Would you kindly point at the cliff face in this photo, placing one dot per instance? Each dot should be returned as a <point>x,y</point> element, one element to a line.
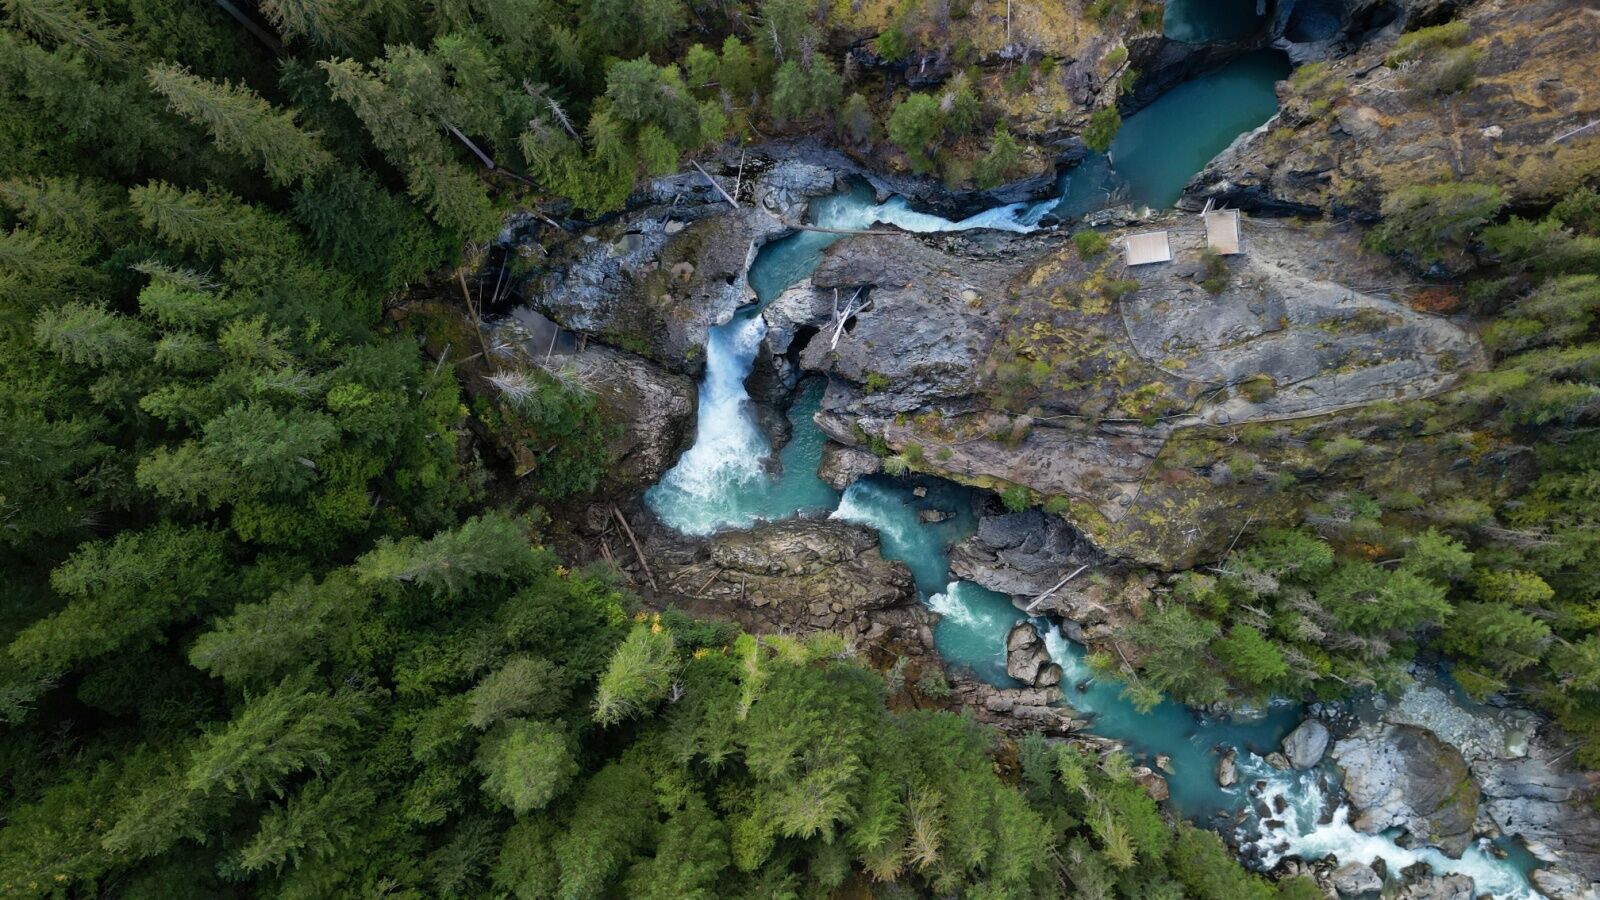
<point>1355,130</point>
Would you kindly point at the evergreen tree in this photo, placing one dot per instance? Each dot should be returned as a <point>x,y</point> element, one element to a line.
<point>1102,129</point>
<point>1001,159</point>
<point>525,764</point>
<point>243,123</point>
<point>638,676</point>
<point>913,125</point>
<point>326,24</point>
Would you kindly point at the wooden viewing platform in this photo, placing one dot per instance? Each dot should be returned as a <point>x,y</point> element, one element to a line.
<point>1222,230</point>
<point>1150,247</point>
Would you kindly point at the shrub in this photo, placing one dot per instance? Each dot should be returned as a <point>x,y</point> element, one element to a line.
<point>1102,129</point>
<point>1342,447</point>
<point>855,121</point>
<point>1425,41</point>
<point>1126,81</point>
<point>1016,497</point>
<point>1217,275</point>
<point>932,683</point>
<point>1258,388</point>
<point>1452,71</point>
<point>1426,220</point>
<point>1090,243</point>
<point>1580,211</point>
<point>892,44</point>
<point>913,125</point>
<point>876,381</point>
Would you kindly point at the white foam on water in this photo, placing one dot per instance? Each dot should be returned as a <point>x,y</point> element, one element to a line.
<point>1073,668</point>
<point>952,606</point>
<point>863,505</point>
<point>1018,217</point>
<point>1299,832</point>
<point>730,449</point>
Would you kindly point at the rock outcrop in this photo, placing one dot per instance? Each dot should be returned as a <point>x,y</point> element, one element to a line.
<point>1010,360</point>
<point>1305,746</point>
<point>1027,660</point>
<point>842,465</point>
<point>1018,710</point>
<point>1022,554</point>
<point>650,409</point>
<point>1342,141</point>
<point>1438,887</point>
<point>1548,806</point>
<point>1520,768</point>
<point>1559,884</point>
<point>1228,768</point>
<point>794,577</point>
<point>1401,776</point>
<point>1026,554</point>
<point>1353,879</point>
<point>655,281</point>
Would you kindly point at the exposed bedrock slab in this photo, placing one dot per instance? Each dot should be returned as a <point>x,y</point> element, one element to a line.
<point>1306,325</point>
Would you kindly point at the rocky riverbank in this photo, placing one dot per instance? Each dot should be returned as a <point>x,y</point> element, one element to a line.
<point>1350,133</point>
<point>1446,773</point>
<point>1147,416</point>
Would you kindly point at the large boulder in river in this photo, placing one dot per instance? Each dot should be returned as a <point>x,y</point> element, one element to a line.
<point>1549,807</point>
<point>1353,879</point>
<point>1027,660</point>
<point>1021,554</point>
<point>1438,887</point>
<point>1228,768</point>
<point>1401,776</point>
<point>1561,884</point>
<point>1305,745</point>
<point>1524,769</point>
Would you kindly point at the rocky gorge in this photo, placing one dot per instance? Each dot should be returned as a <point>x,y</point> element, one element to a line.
<point>1144,416</point>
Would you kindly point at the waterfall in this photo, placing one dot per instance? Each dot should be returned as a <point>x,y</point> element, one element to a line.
<point>718,481</point>
<point>730,449</point>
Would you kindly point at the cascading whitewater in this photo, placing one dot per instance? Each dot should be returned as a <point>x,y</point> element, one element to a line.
<point>1300,830</point>
<point>729,452</point>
